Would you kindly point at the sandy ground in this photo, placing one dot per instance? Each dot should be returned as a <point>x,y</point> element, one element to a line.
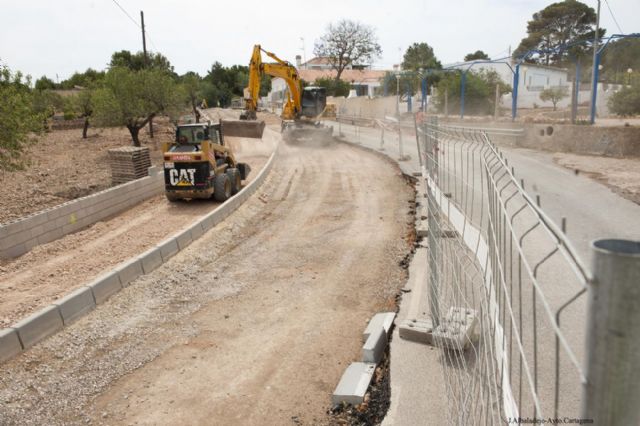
<point>61,166</point>
<point>622,175</point>
<point>49,271</point>
<point>252,324</point>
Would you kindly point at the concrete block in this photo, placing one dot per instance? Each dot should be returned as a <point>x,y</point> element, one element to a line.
<point>13,252</point>
<point>196,231</point>
<point>150,259</point>
<point>380,320</point>
<point>132,269</point>
<point>373,348</point>
<point>415,330</point>
<point>456,330</point>
<point>10,345</point>
<point>15,239</point>
<point>168,248</point>
<point>104,286</point>
<point>422,231</point>
<point>52,235</point>
<point>39,326</point>
<point>353,384</point>
<point>184,238</point>
<point>206,223</point>
<point>75,304</point>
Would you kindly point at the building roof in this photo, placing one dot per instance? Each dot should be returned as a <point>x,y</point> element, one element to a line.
<point>351,76</point>
<point>321,60</point>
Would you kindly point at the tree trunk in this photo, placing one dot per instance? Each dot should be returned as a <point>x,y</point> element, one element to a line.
<point>134,130</point>
<point>196,112</point>
<point>150,128</point>
<point>85,128</point>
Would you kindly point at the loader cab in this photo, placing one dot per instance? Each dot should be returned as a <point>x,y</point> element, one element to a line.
<point>314,100</point>
<point>190,137</point>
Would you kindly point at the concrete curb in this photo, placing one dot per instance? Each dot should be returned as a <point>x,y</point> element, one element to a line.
<point>104,286</point>
<point>10,345</point>
<point>39,325</point>
<point>78,303</point>
<point>356,379</point>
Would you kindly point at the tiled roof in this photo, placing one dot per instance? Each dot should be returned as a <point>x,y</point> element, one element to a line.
<point>351,76</point>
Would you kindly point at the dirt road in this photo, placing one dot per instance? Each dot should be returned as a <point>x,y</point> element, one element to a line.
<point>252,324</point>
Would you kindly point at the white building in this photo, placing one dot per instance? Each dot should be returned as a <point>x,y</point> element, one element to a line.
<point>533,80</point>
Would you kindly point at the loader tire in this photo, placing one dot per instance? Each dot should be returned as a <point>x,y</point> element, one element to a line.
<point>222,187</point>
<point>172,198</point>
<point>235,179</point>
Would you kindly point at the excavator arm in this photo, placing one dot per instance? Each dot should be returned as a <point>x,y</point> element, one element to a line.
<point>279,68</point>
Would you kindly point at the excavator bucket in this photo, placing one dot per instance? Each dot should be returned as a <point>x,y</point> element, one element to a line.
<point>243,128</point>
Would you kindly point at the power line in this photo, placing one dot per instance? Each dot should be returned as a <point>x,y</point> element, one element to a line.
<point>613,16</point>
<point>126,13</point>
<point>135,23</point>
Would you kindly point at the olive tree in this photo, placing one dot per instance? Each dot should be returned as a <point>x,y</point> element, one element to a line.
<point>18,120</point>
<point>132,98</point>
<point>554,94</point>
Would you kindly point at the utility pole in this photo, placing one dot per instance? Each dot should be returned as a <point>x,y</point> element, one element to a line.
<point>594,71</point>
<point>146,62</point>
<point>144,39</point>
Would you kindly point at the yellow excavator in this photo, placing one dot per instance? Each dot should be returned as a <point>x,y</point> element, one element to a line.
<point>301,112</point>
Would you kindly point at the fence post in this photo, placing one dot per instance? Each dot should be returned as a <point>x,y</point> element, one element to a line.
<point>612,391</point>
<point>433,220</point>
<point>400,147</point>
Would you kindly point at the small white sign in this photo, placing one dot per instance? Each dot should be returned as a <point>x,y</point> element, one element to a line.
<point>168,165</point>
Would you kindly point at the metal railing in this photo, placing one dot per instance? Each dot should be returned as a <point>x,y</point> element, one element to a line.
<point>506,293</point>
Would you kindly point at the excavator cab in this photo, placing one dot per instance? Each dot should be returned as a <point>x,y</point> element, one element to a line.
<point>314,101</point>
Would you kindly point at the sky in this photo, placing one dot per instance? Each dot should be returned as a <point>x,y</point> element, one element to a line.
<point>57,38</point>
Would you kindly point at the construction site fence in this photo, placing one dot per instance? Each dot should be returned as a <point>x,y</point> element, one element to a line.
<point>527,331</point>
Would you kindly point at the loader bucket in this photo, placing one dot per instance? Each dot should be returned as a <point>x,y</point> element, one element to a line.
<point>243,128</point>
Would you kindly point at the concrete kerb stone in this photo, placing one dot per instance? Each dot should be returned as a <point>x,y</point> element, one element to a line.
<point>196,231</point>
<point>373,348</point>
<point>131,269</point>
<point>168,248</point>
<point>354,384</point>
<point>76,304</point>
<point>150,260</point>
<point>10,345</point>
<point>105,286</point>
<point>183,238</point>
<point>39,325</point>
<point>380,320</point>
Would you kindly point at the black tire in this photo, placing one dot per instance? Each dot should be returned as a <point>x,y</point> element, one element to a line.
<point>222,187</point>
<point>235,179</point>
<point>172,198</point>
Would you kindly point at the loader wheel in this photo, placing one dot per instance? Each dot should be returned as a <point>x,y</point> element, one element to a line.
<point>236,180</point>
<point>172,198</point>
<point>222,188</point>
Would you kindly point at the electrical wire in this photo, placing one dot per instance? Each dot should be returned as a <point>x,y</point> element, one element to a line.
<point>136,24</point>
<point>126,13</point>
<point>613,16</point>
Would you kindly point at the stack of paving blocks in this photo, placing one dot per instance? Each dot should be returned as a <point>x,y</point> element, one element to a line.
<point>357,377</point>
<point>128,163</point>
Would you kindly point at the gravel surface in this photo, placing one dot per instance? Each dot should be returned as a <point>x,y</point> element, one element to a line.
<point>52,270</point>
<point>254,323</point>
<point>622,175</point>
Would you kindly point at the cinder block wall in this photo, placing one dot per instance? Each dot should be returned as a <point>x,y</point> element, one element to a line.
<point>20,236</point>
<point>618,142</point>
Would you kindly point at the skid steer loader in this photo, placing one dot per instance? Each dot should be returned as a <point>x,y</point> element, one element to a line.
<point>198,164</point>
